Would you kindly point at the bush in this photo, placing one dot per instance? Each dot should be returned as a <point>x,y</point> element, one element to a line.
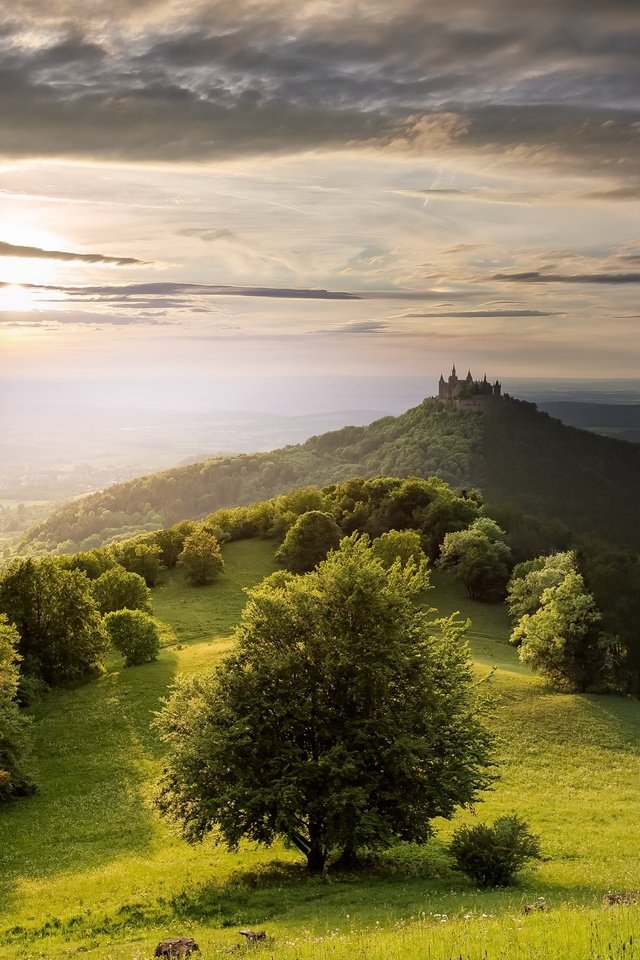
<point>135,635</point>
<point>492,855</point>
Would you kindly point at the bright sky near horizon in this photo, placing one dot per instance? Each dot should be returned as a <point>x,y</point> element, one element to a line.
<point>269,187</point>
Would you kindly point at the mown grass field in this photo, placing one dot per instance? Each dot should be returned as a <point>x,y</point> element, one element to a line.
<point>89,870</point>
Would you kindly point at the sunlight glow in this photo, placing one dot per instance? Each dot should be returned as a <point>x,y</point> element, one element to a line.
<point>16,299</point>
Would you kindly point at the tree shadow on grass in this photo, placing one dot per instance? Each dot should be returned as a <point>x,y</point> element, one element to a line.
<point>95,751</point>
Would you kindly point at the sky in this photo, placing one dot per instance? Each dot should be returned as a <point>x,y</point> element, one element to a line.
<point>277,188</point>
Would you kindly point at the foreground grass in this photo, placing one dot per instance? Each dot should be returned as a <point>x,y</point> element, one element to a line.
<point>89,870</point>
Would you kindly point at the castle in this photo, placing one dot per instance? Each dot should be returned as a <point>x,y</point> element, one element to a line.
<point>467,389</point>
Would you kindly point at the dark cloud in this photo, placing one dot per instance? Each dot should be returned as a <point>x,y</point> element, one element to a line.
<point>532,276</point>
<point>557,82</point>
<point>164,289</point>
<point>14,250</point>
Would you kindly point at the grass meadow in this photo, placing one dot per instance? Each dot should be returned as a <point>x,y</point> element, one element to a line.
<point>89,870</point>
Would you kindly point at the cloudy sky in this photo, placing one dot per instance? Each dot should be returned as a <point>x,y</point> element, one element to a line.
<point>354,187</point>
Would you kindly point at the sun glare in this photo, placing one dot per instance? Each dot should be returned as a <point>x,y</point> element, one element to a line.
<point>16,299</point>
<point>24,231</point>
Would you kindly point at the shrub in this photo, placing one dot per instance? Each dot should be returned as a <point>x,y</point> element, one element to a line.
<point>135,635</point>
<point>492,855</point>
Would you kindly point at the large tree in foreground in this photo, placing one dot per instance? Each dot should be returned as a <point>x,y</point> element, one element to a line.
<point>344,721</point>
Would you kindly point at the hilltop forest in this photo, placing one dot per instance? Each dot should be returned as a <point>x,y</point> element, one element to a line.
<point>524,462</point>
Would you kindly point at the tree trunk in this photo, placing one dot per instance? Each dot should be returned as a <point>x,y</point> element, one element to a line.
<point>317,853</point>
<point>348,859</point>
<point>316,858</point>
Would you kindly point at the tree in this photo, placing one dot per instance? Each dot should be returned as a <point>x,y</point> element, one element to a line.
<point>562,639</point>
<point>170,540</point>
<point>402,545</point>
<point>201,558</point>
<point>344,721</point>
<point>92,562</point>
<point>136,556</point>
<point>135,635</point>
<point>530,579</point>
<point>117,589</point>
<point>14,738</point>
<point>308,541</point>
<point>613,577</point>
<point>52,608</point>
<point>479,558</point>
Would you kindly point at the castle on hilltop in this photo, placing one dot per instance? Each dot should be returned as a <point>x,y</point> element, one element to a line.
<point>468,389</point>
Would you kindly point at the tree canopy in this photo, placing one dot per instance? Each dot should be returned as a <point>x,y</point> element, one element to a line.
<point>479,557</point>
<point>201,558</point>
<point>52,608</point>
<point>14,739</point>
<point>344,721</point>
<point>308,541</point>
<point>117,589</point>
<point>563,639</point>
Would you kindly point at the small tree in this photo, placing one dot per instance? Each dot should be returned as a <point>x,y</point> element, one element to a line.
<point>135,635</point>
<point>491,856</point>
<point>14,738</point>
<point>479,558</point>
<point>344,721</point>
<point>562,639</point>
<point>309,541</point>
<point>116,589</point>
<point>201,558</point>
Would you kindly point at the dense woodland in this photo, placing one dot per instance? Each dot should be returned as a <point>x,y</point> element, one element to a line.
<point>525,463</point>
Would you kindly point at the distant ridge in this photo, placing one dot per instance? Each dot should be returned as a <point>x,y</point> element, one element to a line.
<point>523,461</point>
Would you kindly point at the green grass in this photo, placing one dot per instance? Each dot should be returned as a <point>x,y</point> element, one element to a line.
<point>89,870</point>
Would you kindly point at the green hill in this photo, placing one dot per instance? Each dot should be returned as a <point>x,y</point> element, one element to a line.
<point>523,461</point>
<point>89,869</point>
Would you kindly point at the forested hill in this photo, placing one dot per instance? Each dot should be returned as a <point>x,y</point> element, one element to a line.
<point>522,460</point>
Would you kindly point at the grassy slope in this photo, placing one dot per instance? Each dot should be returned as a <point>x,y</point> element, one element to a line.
<point>89,869</point>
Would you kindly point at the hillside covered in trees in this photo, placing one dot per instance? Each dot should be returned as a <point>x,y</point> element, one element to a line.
<point>523,461</point>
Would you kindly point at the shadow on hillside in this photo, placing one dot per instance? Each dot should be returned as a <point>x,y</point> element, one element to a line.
<point>95,755</point>
<point>622,716</point>
<point>391,888</point>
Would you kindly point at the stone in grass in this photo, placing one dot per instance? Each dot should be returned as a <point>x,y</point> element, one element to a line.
<point>621,898</point>
<point>539,906</point>
<point>181,947</point>
<point>253,936</point>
